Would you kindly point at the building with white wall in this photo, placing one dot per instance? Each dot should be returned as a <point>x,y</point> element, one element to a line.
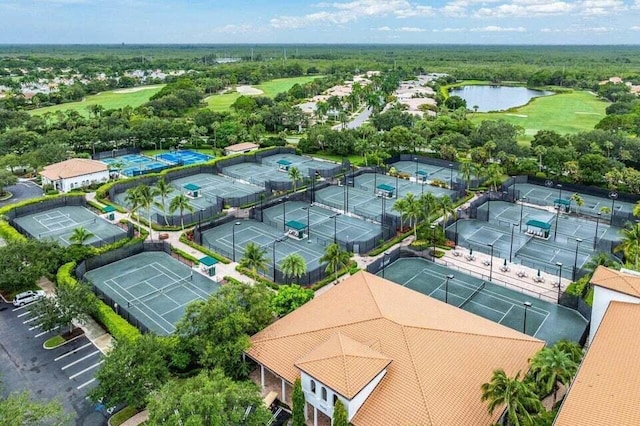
<point>391,355</point>
<point>241,148</point>
<point>611,285</point>
<point>74,173</point>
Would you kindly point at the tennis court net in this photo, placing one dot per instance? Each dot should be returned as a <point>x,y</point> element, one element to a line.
<point>474,294</point>
<point>158,292</point>
<point>58,232</point>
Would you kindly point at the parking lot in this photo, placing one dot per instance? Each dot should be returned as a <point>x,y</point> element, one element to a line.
<point>66,373</point>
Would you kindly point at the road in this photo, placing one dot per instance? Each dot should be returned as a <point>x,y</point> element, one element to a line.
<point>23,190</point>
<point>356,122</point>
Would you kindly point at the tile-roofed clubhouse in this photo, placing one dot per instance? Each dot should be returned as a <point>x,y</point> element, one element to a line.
<point>425,360</point>
<point>606,389</point>
<point>73,167</point>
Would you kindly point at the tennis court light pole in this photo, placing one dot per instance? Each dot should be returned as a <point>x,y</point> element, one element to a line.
<point>559,265</point>
<point>284,213</point>
<point>335,227</point>
<point>384,257</point>
<point>446,288</point>
<point>613,195</point>
<point>277,240</point>
<point>595,237</point>
<point>233,238</point>
<point>513,227</point>
<point>575,261</point>
<point>451,176</point>
<point>416,160</point>
<point>527,305</point>
<point>433,237</point>
<point>491,263</point>
<point>555,231</point>
<point>308,208</point>
<point>522,199</point>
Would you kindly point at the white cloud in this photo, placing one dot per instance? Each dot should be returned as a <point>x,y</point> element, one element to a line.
<point>411,30</point>
<point>383,29</point>
<point>236,29</point>
<point>578,29</point>
<point>496,29</point>
<point>451,30</point>
<point>635,28</point>
<point>535,8</point>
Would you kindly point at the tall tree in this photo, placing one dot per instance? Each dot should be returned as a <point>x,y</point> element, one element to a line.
<point>293,266</point>
<point>134,201</point>
<point>466,170</point>
<point>298,400</point>
<point>254,258</point>
<point>6,179</point>
<point>518,398</point>
<point>401,207</point>
<point>147,199</point>
<point>70,303</point>
<point>180,203</point>
<point>19,409</point>
<point>163,189</point>
<point>494,175</point>
<point>414,212</point>
<point>551,367</point>
<point>295,175</point>
<point>340,417</point>
<point>446,208</point>
<point>210,398</point>
<point>630,244</point>
<point>289,298</point>
<point>336,258</point>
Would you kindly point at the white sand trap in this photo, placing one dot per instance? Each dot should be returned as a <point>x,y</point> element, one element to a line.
<point>136,89</point>
<point>588,113</point>
<point>248,90</point>
<point>518,115</point>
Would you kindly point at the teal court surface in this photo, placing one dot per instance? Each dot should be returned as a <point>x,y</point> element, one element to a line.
<point>546,321</point>
<point>370,182</point>
<point>135,164</point>
<point>152,289</point>
<point>324,226</point>
<point>184,157</point>
<point>545,196</point>
<point>210,187</point>
<point>431,172</point>
<point>58,224</point>
<point>229,238</point>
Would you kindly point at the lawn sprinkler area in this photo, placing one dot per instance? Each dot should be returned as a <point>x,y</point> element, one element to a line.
<point>135,165</point>
<point>544,320</point>
<point>59,223</point>
<point>152,289</point>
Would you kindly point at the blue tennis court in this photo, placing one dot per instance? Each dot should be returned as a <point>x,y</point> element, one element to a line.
<point>135,164</point>
<point>184,157</point>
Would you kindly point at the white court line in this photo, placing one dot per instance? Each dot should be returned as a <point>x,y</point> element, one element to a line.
<point>88,382</point>
<point>542,323</point>
<point>80,360</point>
<point>505,314</point>
<point>86,369</point>
<point>72,352</point>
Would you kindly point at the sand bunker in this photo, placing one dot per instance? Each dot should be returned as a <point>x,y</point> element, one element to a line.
<point>588,113</point>
<point>135,89</point>
<point>248,90</point>
<point>518,115</point>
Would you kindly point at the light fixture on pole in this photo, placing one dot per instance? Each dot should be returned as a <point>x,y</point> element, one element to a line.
<point>284,213</point>
<point>433,236</point>
<point>335,226</point>
<point>613,195</point>
<point>575,261</point>
<point>595,237</point>
<point>384,264</point>
<point>450,176</point>
<point>491,263</point>
<point>527,305</point>
<point>233,239</point>
<point>277,240</point>
<point>522,200</point>
<point>446,288</point>
<point>513,227</point>
<point>308,208</point>
<point>555,231</point>
<point>559,265</point>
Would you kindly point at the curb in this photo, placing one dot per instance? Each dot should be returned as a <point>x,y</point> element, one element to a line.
<point>63,343</point>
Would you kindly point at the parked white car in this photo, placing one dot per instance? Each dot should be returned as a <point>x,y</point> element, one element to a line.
<point>27,297</point>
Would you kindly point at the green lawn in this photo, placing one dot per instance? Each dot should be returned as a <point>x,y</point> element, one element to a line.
<point>270,89</point>
<point>570,112</point>
<point>109,100</point>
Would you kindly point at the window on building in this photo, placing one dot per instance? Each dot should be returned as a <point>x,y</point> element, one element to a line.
<point>313,386</point>
<point>324,393</point>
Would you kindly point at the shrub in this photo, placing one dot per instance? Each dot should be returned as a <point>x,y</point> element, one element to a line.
<point>8,233</point>
<point>218,257</point>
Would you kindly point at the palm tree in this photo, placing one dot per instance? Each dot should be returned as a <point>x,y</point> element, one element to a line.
<point>428,203</point>
<point>603,259</point>
<point>335,258</point>
<point>466,170</point>
<point>494,175</point>
<point>163,189</point>
<point>552,366</point>
<point>636,209</point>
<point>401,207</point>
<point>446,207</point>
<point>147,195</point>
<point>133,200</point>
<point>254,258</point>
<point>293,266</point>
<point>295,175</point>
<point>180,203</point>
<point>630,244</point>
<point>578,200</point>
<point>413,212</point>
<point>80,235</point>
<point>518,397</point>
<point>540,151</point>
<point>573,349</point>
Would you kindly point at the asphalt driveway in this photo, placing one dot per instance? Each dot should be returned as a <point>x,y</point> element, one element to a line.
<point>66,373</point>
<point>23,190</point>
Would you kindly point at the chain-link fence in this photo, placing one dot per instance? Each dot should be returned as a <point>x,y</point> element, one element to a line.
<point>115,153</point>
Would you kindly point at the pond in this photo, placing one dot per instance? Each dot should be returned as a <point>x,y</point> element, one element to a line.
<point>496,98</point>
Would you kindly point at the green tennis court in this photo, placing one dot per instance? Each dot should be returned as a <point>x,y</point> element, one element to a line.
<point>432,172</point>
<point>547,321</point>
<point>153,287</point>
<point>58,225</point>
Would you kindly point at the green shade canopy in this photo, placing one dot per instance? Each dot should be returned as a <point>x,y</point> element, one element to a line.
<point>539,224</point>
<point>108,209</point>
<point>422,173</point>
<point>191,187</point>
<point>208,261</point>
<point>562,201</point>
<point>298,226</point>
<point>385,187</point>
<point>284,162</point>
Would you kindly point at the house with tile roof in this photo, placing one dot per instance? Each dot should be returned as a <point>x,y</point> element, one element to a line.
<point>391,355</point>
<point>611,285</point>
<point>241,148</point>
<point>606,388</point>
<point>74,173</point>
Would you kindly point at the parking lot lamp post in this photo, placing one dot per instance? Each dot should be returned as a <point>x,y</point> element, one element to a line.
<point>233,239</point>
<point>559,265</point>
<point>446,288</point>
<point>491,263</point>
<point>522,199</point>
<point>595,237</point>
<point>513,227</point>
<point>575,261</point>
<point>527,305</point>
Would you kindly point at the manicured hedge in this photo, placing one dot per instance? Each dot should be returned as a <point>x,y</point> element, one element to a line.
<point>117,326</point>
<point>9,207</point>
<point>220,258</point>
<point>185,255</point>
<point>8,232</point>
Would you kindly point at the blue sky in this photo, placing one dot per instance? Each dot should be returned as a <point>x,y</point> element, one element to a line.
<point>287,21</point>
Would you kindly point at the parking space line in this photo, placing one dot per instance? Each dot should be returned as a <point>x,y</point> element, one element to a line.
<point>72,352</point>
<point>80,360</point>
<point>23,314</point>
<point>32,319</point>
<point>34,327</point>
<point>88,382</point>
<point>45,332</point>
<point>86,369</point>
<point>21,307</point>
